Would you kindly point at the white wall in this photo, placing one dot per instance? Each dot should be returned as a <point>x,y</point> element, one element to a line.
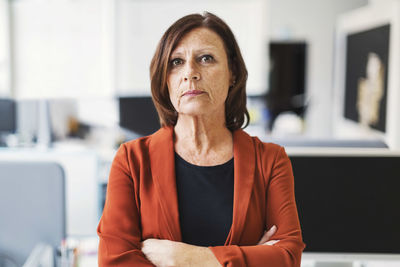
<point>313,21</point>
<point>140,25</point>
<point>4,49</point>
<point>59,49</point>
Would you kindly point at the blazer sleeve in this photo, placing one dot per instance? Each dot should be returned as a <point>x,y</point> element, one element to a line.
<point>119,227</point>
<point>280,211</point>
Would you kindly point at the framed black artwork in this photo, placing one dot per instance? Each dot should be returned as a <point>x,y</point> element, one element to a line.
<point>367,57</point>
<point>366,86</point>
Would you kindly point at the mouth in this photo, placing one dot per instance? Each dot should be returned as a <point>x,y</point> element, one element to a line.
<point>193,93</point>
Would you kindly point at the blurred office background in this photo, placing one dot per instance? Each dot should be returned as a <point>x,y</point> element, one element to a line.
<point>74,84</point>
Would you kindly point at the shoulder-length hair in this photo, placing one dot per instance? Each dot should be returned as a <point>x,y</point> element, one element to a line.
<point>236,114</point>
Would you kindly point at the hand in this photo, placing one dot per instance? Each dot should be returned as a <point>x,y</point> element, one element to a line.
<point>160,252</point>
<point>265,239</point>
<point>166,253</point>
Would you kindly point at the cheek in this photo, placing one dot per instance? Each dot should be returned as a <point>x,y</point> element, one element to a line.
<point>220,82</point>
<point>173,90</point>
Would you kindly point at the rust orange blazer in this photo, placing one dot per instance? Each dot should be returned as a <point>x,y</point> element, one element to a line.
<point>142,203</point>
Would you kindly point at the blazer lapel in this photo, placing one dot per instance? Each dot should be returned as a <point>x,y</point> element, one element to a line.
<point>244,166</point>
<point>162,162</point>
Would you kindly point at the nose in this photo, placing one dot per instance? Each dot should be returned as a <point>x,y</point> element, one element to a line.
<point>191,73</point>
<point>194,77</point>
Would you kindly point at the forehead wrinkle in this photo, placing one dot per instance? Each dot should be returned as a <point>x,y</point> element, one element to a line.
<point>203,37</point>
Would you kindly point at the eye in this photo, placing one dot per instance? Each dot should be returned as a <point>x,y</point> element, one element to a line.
<point>206,59</point>
<point>176,62</point>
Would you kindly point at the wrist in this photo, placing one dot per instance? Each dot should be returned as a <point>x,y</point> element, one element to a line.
<point>212,260</point>
<point>196,256</point>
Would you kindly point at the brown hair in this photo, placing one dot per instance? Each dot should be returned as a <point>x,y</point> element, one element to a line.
<point>236,114</point>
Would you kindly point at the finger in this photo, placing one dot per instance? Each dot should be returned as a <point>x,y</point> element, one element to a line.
<point>267,235</point>
<point>271,232</point>
<point>263,239</point>
<point>146,246</point>
<point>271,242</point>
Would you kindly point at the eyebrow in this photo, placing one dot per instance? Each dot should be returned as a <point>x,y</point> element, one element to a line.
<point>202,50</point>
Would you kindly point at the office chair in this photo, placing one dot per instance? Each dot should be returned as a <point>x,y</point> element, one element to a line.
<point>32,209</point>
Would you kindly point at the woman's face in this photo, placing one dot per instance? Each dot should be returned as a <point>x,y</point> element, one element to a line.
<point>199,76</point>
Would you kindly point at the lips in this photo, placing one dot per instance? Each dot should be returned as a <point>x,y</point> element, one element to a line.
<point>193,93</point>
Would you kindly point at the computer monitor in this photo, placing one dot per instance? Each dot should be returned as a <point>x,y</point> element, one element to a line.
<point>32,208</point>
<point>138,114</point>
<point>7,118</point>
<point>348,200</point>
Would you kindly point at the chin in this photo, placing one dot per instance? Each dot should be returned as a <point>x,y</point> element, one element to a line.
<point>195,109</point>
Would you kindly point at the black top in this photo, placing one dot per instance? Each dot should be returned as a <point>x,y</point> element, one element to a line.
<point>205,200</point>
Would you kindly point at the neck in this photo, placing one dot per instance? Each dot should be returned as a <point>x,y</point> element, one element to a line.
<point>203,139</point>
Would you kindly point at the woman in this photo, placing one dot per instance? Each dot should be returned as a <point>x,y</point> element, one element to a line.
<point>200,191</point>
